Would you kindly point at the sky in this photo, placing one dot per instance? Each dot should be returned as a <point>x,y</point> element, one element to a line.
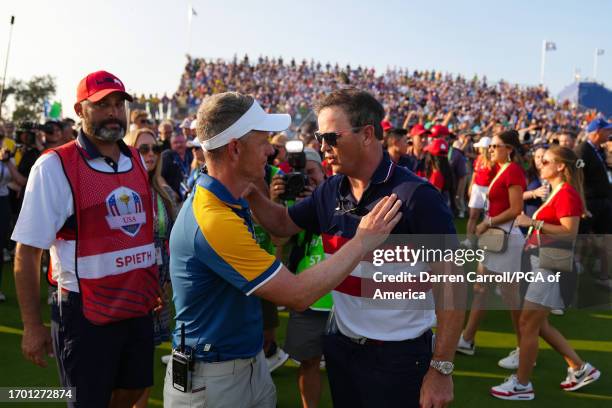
<point>144,42</point>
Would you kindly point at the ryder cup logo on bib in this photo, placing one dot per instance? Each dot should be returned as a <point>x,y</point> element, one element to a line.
<point>125,211</point>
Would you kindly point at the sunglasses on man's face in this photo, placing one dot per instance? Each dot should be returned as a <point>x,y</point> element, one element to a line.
<point>146,148</point>
<point>331,138</point>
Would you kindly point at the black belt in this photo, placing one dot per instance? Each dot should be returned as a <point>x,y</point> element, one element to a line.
<point>364,341</point>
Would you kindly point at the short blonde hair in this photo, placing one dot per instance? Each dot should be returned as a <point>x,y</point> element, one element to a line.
<point>219,111</point>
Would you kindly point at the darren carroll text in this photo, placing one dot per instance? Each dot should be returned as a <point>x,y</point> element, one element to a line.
<point>471,277</point>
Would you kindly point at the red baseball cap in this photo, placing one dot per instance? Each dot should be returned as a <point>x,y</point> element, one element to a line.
<point>417,130</point>
<point>97,85</point>
<point>438,147</point>
<point>439,131</point>
<point>386,125</point>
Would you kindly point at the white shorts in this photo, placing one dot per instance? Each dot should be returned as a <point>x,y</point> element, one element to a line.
<point>510,260</point>
<point>478,196</point>
<point>547,294</point>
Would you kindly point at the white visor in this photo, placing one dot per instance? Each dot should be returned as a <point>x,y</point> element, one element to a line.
<point>253,119</point>
<point>484,141</point>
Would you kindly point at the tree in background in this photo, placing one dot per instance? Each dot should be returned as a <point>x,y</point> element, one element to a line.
<point>30,97</point>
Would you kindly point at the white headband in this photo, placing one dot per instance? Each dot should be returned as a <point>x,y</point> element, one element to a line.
<point>253,119</point>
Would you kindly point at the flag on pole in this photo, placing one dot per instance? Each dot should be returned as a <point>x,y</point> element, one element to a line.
<point>550,46</point>
<point>599,52</point>
<point>191,12</point>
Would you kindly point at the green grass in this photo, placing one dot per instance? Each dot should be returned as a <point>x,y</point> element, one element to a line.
<point>590,331</point>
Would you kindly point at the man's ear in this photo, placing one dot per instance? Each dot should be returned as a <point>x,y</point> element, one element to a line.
<point>369,134</point>
<point>78,108</point>
<point>233,148</point>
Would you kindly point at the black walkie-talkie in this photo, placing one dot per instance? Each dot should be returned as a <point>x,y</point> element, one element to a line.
<point>182,364</point>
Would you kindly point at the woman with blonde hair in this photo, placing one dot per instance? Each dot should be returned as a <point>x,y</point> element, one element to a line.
<point>554,223</point>
<point>164,210</point>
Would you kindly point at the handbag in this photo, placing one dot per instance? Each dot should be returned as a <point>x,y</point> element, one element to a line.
<point>555,258</point>
<point>494,240</point>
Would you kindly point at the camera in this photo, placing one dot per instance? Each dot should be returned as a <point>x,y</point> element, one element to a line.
<point>296,181</point>
<point>30,129</point>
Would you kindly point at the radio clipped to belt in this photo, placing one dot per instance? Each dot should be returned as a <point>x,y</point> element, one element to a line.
<point>182,365</point>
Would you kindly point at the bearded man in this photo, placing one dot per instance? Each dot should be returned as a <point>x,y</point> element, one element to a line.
<point>88,202</point>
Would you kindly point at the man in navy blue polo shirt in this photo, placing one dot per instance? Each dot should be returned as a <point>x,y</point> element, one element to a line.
<point>382,354</point>
<point>216,263</point>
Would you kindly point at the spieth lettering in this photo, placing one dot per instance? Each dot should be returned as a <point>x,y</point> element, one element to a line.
<point>135,259</point>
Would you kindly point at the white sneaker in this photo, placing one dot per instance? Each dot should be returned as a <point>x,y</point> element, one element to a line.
<point>511,361</point>
<point>166,359</point>
<point>276,357</point>
<point>557,312</point>
<point>321,364</point>
<point>2,297</point>
<point>577,379</point>
<point>466,243</point>
<point>466,347</point>
<point>512,390</point>
<point>604,283</point>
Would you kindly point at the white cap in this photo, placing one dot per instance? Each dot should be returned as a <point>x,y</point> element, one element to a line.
<point>194,143</point>
<point>253,119</point>
<point>484,141</point>
<point>193,125</point>
<point>185,123</point>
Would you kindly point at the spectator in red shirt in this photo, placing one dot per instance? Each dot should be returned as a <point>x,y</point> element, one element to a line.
<point>484,171</point>
<point>505,203</point>
<point>438,170</point>
<point>558,218</point>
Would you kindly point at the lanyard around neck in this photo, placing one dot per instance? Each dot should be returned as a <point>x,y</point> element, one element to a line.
<point>499,173</point>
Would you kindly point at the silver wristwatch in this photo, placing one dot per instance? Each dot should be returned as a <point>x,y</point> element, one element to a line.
<point>443,367</point>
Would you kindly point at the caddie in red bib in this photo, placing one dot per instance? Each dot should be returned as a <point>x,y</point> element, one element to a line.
<point>115,255</point>
<point>89,203</point>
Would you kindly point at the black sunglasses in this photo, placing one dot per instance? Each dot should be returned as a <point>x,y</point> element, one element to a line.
<point>146,148</point>
<point>496,146</point>
<point>331,138</point>
<point>345,206</point>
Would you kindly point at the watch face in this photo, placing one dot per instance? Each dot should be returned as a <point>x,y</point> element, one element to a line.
<point>446,367</point>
